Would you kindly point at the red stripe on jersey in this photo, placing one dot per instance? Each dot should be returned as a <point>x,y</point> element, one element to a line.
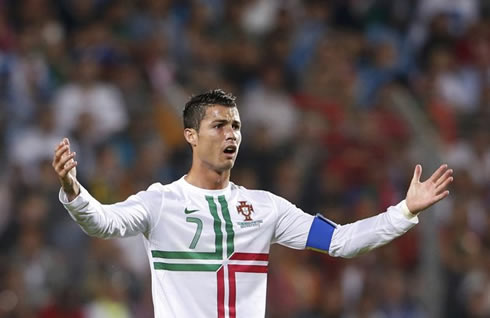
<point>250,256</point>
<point>232,269</point>
<point>221,292</point>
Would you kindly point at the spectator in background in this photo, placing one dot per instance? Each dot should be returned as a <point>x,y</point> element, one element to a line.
<point>28,80</point>
<point>266,99</point>
<point>88,101</point>
<point>152,54</point>
<point>473,154</point>
<point>28,146</point>
<point>40,267</point>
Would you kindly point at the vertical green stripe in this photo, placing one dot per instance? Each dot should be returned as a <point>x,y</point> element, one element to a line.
<point>230,234</point>
<point>218,239</point>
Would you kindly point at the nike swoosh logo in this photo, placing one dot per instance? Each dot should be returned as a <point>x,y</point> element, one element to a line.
<point>189,211</point>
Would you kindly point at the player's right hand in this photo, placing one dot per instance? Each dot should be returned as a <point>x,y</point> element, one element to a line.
<point>65,166</point>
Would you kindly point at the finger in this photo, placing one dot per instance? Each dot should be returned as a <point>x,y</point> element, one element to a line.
<point>59,157</point>
<point>60,144</point>
<point>441,196</point>
<point>58,154</point>
<point>70,165</point>
<point>417,173</point>
<point>444,177</point>
<point>444,185</point>
<point>58,147</point>
<point>64,141</point>
<point>438,173</point>
<point>66,158</point>
<point>62,163</point>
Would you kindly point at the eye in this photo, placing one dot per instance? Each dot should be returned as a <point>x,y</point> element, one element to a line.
<point>236,126</point>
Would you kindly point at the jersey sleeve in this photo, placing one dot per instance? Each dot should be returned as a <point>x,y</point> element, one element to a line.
<point>292,224</point>
<point>364,235</point>
<point>122,219</point>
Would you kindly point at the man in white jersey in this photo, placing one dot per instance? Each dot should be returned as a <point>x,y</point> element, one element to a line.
<point>208,239</point>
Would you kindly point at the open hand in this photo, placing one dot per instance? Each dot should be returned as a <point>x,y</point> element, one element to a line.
<point>65,167</point>
<point>422,195</point>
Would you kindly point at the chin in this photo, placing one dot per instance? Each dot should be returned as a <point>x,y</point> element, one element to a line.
<point>227,166</point>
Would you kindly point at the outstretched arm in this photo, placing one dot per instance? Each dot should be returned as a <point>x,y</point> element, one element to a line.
<point>364,235</point>
<point>127,218</point>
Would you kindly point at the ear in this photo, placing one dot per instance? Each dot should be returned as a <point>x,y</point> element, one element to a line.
<point>190,135</point>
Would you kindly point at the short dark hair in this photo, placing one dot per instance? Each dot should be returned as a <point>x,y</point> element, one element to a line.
<point>195,108</point>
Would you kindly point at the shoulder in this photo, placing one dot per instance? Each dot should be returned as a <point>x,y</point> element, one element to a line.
<point>157,187</point>
<point>174,189</point>
<point>267,197</point>
<point>156,194</point>
<point>255,194</point>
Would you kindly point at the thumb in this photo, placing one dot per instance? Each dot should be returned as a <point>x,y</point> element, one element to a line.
<point>416,174</point>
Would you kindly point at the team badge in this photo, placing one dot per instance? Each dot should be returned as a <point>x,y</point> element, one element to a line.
<point>245,209</point>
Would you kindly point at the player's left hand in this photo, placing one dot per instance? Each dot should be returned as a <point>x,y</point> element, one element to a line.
<point>422,195</point>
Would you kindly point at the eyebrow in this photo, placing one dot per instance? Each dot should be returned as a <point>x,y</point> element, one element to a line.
<point>223,121</point>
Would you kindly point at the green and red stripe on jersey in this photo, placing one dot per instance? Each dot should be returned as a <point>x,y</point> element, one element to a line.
<point>242,262</point>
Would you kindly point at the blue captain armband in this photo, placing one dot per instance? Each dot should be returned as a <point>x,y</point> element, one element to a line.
<point>320,234</point>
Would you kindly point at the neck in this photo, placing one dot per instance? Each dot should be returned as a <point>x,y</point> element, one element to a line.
<point>207,178</point>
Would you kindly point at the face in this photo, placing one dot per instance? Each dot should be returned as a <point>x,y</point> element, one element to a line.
<point>216,143</point>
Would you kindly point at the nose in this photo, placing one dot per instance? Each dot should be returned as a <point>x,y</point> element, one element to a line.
<point>230,133</point>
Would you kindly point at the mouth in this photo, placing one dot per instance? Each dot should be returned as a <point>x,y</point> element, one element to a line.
<point>230,151</point>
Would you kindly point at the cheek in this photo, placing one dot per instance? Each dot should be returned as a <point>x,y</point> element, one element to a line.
<point>239,138</point>
<point>209,144</point>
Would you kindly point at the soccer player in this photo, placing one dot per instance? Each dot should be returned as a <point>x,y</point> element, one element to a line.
<point>208,239</point>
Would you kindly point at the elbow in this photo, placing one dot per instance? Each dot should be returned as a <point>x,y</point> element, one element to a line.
<point>94,232</point>
<point>100,232</point>
<point>346,252</point>
<point>342,254</point>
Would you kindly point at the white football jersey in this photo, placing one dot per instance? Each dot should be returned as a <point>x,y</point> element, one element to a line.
<point>209,249</point>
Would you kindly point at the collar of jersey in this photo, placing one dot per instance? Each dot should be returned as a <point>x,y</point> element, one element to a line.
<point>193,188</point>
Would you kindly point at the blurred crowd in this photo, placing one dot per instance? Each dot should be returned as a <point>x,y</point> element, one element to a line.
<point>315,81</point>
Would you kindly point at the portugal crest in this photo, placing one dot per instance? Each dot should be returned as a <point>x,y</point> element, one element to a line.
<point>245,209</point>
